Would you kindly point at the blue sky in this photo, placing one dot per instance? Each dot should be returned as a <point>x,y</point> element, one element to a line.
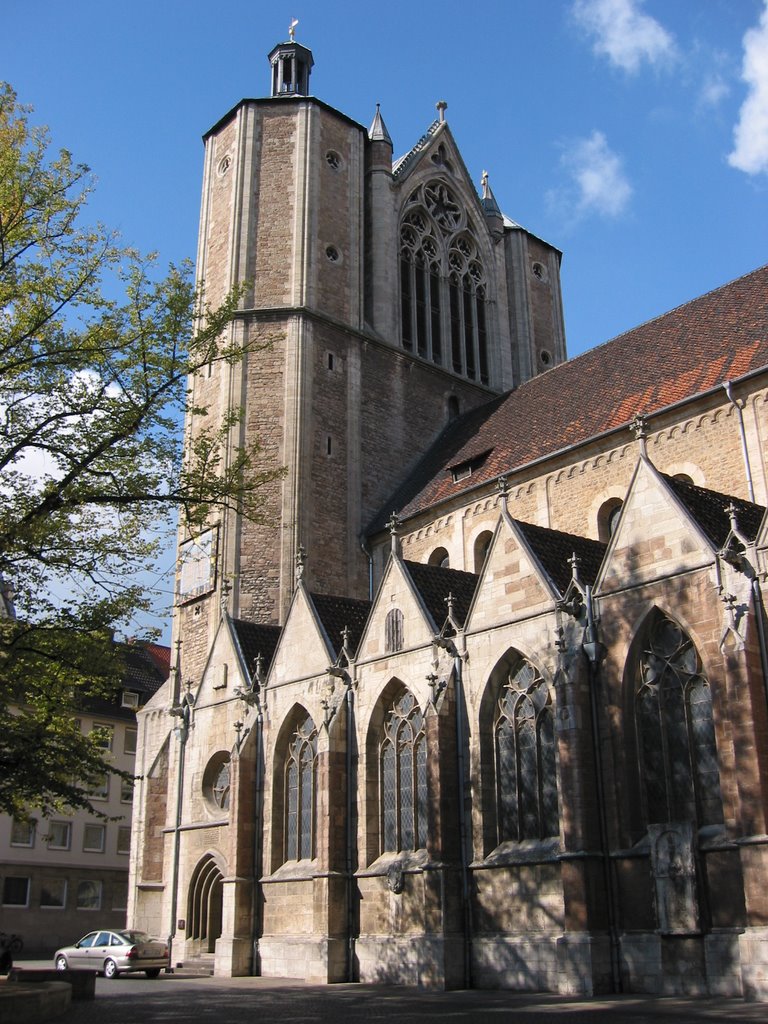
<point>632,135</point>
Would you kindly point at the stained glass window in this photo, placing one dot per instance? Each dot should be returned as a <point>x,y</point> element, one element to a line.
<point>526,767</point>
<point>675,729</point>
<point>442,284</point>
<point>300,792</point>
<point>403,777</point>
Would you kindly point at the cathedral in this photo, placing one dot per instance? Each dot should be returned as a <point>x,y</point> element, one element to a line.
<point>482,699</point>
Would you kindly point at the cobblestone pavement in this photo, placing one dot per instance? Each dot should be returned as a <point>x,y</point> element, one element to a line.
<point>170,999</point>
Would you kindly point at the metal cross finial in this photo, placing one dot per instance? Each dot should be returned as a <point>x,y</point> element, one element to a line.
<point>732,510</point>
<point>301,560</point>
<point>575,563</point>
<point>441,107</point>
<point>292,28</point>
<point>484,182</point>
<point>450,602</point>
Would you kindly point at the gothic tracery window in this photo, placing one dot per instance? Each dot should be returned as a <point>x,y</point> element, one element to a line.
<point>675,729</point>
<point>403,777</point>
<point>443,287</point>
<point>526,769</point>
<point>300,792</point>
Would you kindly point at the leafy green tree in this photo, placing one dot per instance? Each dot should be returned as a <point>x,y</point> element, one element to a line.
<point>92,394</point>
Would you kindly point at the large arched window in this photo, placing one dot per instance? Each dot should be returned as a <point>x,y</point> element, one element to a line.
<point>443,286</point>
<point>300,792</point>
<point>526,769</point>
<point>403,777</point>
<point>675,729</point>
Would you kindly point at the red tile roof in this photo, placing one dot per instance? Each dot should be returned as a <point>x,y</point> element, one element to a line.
<point>718,337</point>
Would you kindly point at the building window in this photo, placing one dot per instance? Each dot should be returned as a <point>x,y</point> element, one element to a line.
<point>93,838</point>
<point>216,781</point>
<point>124,839</point>
<point>675,729</point>
<point>119,895</point>
<point>103,733</point>
<point>129,741</point>
<point>393,631</point>
<point>608,519</point>
<point>15,891</point>
<point>23,833</point>
<point>100,787</point>
<point>480,549</point>
<point>526,768</point>
<point>53,893</point>
<point>440,558</point>
<point>130,699</point>
<point>59,835</point>
<point>89,895</point>
<point>300,795</point>
<point>126,791</point>
<point>443,289</point>
<point>403,777</point>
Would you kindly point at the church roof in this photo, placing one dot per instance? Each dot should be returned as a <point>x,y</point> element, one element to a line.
<point>710,510</point>
<point>434,584</point>
<point>256,639</point>
<point>553,548</point>
<point>696,347</point>
<point>339,613</point>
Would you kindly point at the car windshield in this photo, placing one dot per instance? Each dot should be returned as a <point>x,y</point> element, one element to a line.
<point>131,937</point>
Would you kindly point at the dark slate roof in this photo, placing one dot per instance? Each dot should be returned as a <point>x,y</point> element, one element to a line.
<point>434,584</point>
<point>553,549</point>
<point>709,509</point>
<point>718,337</point>
<point>256,639</point>
<point>146,668</point>
<point>336,613</point>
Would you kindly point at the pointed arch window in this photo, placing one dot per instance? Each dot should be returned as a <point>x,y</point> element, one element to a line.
<point>443,288</point>
<point>403,777</point>
<point>300,792</point>
<point>526,767</point>
<point>675,729</point>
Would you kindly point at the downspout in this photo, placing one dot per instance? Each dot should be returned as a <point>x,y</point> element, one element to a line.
<point>181,711</point>
<point>742,433</point>
<point>466,906</point>
<point>258,839</point>
<point>350,836</point>
<point>369,556</point>
<point>594,652</point>
<point>757,601</point>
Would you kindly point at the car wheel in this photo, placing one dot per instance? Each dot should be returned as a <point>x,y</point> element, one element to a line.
<point>152,972</point>
<point>61,963</point>
<point>110,969</point>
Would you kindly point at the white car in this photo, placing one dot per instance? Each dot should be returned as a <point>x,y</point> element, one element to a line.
<point>113,953</point>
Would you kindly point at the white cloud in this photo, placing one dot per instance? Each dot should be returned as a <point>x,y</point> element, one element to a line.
<point>750,136</point>
<point>597,180</point>
<point>624,33</point>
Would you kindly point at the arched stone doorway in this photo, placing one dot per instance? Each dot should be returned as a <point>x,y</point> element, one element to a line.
<point>204,906</point>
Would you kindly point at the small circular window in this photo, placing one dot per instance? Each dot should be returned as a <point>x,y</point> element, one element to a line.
<point>216,782</point>
<point>539,271</point>
<point>333,160</point>
<point>223,167</point>
<point>333,254</point>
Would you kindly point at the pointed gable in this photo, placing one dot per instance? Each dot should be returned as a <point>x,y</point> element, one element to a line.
<point>657,533</point>
<point>304,647</point>
<point>554,550</point>
<point>254,641</point>
<point>397,593</point>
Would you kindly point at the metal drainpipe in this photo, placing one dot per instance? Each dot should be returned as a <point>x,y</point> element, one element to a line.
<point>350,838</point>
<point>182,731</point>
<point>742,433</point>
<point>369,556</point>
<point>593,650</point>
<point>757,601</point>
<point>257,843</point>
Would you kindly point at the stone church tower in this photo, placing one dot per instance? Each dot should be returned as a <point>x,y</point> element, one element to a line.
<point>381,301</point>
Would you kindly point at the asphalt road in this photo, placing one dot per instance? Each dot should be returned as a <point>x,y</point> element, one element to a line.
<point>173,998</point>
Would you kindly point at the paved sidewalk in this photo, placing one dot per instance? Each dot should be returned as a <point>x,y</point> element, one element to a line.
<point>170,999</point>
